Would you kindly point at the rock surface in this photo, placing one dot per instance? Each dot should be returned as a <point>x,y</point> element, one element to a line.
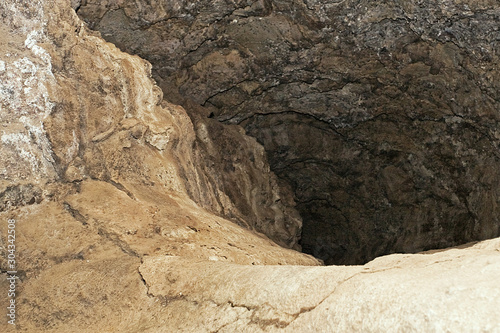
<point>116,128</point>
<point>381,116</point>
<point>106,184</point>
<point>448,291</point>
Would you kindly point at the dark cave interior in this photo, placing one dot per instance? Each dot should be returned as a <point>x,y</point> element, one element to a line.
<point>383,120</point>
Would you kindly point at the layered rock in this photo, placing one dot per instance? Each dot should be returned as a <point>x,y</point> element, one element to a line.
<point>57,129</point>
<point>98,173</point>
<point>382,117</point>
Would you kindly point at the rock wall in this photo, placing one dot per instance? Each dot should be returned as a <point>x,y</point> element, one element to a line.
<point>62,130</point>
<point>381,116</point>
<point>98,173</point>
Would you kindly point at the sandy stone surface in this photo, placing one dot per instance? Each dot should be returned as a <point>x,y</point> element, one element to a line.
<point>452,290</point>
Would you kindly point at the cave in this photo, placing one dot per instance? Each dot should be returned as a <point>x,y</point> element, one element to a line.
<point>273,166</point>
<point>381,117</point>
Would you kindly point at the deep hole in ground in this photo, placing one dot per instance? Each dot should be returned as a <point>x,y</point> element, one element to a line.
<point>382,118</point>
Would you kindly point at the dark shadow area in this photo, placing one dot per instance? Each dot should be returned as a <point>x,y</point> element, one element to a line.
<point>385,129</point>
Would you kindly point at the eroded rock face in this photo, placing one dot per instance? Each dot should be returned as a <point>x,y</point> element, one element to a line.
<point>382,117</point>
<point>423,292</point>
<point>56,129</point>
<point>98,172</point>
<point>108,239</point>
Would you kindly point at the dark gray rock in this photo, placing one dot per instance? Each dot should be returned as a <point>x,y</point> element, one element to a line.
<point>381,116</point>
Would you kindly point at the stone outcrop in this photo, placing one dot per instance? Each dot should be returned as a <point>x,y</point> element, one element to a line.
<point>118,219</point>
<point>109,128</point>
<point>97,169</point>
<point>381,117</point>
<point>428,292</point>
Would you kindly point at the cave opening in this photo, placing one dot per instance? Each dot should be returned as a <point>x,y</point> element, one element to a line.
<point>385,130</point>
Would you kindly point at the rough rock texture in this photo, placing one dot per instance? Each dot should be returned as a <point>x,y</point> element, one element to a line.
<point>78,259</point>
<point>236,181</point>
<point>115,128</point>
<point>449,291</point>
<point>382,116</point>
<point>98,173</point>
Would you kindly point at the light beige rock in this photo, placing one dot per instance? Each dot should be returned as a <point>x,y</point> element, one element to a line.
<point>76,107</point>
<point>453,290</point>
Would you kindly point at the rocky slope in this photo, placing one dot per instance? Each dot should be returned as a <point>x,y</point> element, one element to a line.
<point>97,169</point>
<point>111,132</point>
<point>106,186</point>
<point>381,116</point>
